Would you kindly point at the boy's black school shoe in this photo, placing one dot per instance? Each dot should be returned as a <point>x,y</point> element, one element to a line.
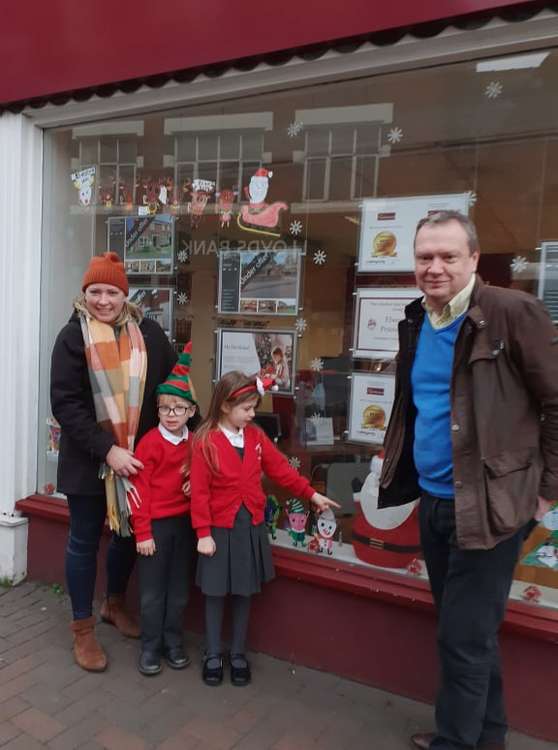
<point>177,658</point>
<point>149,663</point>
<point>241,674</point>
<point>212,676</point>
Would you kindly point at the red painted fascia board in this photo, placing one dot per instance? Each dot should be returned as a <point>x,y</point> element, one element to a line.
<point>62,46</point>
<point>524,619</point>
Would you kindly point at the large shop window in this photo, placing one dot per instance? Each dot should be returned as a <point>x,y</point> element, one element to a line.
<point>276,231</point>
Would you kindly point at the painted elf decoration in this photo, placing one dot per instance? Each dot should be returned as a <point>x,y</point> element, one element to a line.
<point>297,515</point>
<point>201,191</point>
<point>225,205</point>
<point>259,216</point>
<point>271,515</point>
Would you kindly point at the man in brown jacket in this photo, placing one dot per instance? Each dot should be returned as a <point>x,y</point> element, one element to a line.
<point>474,433</point>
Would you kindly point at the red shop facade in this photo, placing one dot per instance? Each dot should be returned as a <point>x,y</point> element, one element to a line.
<point>112,121</point>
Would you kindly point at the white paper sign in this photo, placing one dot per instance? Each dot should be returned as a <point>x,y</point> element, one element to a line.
<point>550,519</point>
<point>388,227</point>
<point>261,352</point>
<point>370,407</point>
<point>377,315</point>
<point>319,431</point>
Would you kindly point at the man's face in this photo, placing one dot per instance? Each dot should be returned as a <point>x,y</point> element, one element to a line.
<point>443,262</point>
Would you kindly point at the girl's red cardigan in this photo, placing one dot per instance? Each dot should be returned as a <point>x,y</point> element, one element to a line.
<point>217,496</point>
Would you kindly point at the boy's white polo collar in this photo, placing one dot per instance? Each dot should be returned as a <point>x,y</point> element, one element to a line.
<point>174,439</point>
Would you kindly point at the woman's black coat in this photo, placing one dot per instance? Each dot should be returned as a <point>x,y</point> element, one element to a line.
<point>83,444</point>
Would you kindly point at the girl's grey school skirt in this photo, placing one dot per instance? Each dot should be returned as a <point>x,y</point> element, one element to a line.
<point>242,560</point>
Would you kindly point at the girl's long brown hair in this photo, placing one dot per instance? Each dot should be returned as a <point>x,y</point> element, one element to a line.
<point>228,384</point>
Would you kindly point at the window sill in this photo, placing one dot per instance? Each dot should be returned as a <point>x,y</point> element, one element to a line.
<point>404,591</point>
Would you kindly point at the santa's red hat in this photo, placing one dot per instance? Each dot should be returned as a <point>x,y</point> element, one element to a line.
<point>263,172</point>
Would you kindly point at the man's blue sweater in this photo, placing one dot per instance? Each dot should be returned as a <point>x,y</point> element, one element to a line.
<point>431,383</point>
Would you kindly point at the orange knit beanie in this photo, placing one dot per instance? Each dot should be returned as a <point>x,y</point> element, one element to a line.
<point>106,269</point>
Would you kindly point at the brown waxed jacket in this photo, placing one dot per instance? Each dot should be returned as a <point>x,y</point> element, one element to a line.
<point>504,415</point>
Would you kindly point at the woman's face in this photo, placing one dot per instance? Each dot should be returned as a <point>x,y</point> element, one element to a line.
<point>104,301</point>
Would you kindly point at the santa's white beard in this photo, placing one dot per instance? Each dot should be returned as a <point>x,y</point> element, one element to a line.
<point>258,189</point>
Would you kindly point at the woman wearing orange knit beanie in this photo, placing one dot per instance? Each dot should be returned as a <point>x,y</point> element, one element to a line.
<point>106,365</point>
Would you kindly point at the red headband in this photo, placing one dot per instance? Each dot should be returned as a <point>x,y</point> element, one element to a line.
<point>260,386</point>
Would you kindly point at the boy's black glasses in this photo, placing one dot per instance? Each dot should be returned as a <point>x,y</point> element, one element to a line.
<point>178,411</point>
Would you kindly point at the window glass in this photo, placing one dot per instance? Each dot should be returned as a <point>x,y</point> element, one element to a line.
<point>341,173</point>
<point>89,150</point>
<point>318,141</point>
<point>316,179</point>
<point>342,140</point>
<point>108,149</point>
<point>252,146</point>
<point>127,150</point>
<point>186,147</point>
<point>230,146</point>
<point>290,182</point>
<point>207,146</point>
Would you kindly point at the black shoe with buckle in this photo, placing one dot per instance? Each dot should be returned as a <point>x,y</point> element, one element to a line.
<point>177,658</point>
<point>241,674</point>
<point>149,663</point>
<point>212,672</point>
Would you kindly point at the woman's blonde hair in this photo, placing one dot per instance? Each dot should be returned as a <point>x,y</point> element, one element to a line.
<point>129,311</point>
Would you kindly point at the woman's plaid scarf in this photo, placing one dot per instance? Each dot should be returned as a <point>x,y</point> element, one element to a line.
<point>117,366</point>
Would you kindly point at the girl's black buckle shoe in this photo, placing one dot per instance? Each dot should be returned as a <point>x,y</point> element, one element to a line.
<point>241,674</point>
<point>212,676</point>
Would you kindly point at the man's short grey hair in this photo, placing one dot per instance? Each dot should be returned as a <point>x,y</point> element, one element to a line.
<point>442,217</point>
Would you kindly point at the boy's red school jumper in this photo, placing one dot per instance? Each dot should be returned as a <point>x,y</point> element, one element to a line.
<point>159,483</point>
<point>217,496</point>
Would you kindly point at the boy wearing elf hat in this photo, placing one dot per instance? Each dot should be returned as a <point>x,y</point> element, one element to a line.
<point>160,509</point>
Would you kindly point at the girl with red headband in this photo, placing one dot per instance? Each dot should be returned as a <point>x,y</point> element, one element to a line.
<point>228,458</point>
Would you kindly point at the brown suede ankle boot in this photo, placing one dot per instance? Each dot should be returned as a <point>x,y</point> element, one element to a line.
<point>88,652</point>
<point>114,612</point>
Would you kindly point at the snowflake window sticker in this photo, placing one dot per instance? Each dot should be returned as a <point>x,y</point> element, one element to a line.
<point>296,227</point>
<point>395,135</point>
<point>519,264</point>
<point>493,89</point>
<point>182,256</point>
<point>301,325</point>
<point>317,364</point>
<point>294,462</point>
<point>319,258</point>
<point>294,129</point>
<point>182,298</point>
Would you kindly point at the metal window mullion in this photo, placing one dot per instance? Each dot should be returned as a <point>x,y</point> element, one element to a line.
<point>327,172</point>
<point>218,169</point>
<point>353,176</point>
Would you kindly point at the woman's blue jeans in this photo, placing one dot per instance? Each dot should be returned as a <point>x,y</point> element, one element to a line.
<point>87,519</point>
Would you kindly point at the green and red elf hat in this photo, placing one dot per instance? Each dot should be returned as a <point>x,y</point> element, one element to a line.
<point>178,382</point>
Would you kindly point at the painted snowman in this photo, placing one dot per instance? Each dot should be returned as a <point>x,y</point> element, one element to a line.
<point>326,529</point>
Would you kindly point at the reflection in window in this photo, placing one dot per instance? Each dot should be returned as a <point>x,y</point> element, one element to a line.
<point>225,158</point>
<point>340,161</point>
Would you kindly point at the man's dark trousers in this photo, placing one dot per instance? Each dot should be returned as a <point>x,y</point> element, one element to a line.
<point>470,589</point>
<point>164,580</point>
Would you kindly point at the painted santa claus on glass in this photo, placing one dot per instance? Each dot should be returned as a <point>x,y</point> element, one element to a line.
<point>260,216</point>
<point>387,537</point>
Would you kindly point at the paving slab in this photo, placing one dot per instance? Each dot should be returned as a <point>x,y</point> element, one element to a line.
<point>47,701</point>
